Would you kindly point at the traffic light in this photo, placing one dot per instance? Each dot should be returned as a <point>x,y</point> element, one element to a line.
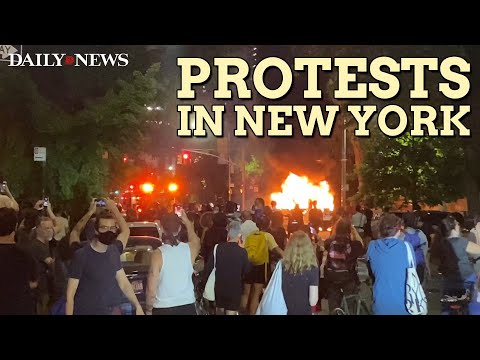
<point>186,157</point>
<point>125,159</point>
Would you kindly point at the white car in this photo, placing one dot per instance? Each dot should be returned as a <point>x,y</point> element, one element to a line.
<point>145,228</point>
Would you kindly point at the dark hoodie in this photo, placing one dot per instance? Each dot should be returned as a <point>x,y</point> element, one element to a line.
<point>215,235</point>
<point>388,260</point>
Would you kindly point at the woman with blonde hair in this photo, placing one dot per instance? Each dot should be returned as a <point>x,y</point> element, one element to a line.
<point>300,275</point>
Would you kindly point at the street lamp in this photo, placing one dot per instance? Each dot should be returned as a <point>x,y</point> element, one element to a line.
<point>172,187</point>
<point>147,188</point>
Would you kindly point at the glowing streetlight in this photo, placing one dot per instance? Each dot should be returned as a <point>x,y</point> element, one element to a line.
<point>147,188</point>
<point>172,187</point>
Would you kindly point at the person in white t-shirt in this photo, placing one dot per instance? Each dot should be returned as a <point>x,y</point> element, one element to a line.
<point>359,220</point>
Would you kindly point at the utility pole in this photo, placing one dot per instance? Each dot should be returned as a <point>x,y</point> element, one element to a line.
<point>343,198</point>
<point>244,185</point>
<point>229,169</point>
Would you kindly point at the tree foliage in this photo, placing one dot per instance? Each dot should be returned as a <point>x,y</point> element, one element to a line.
<point>419,169</point>
<point>254,167</point>
<point>76,141</point>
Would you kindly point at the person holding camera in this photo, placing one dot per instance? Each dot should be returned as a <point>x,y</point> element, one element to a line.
<point>6,198</point>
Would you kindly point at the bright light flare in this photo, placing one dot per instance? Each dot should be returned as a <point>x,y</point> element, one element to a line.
<point>172,187</point>
<point>147,188</point>
<point>299,190</point>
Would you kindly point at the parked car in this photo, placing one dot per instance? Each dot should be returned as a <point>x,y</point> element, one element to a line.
<point>136,263</point>
<point>153,242</point>
<point>136,259</point>
<point>145,228</point>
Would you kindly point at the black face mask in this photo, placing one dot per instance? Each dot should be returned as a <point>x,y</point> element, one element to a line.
<point>107,238</point>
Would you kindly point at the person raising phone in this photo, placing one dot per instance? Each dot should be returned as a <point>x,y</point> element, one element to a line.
<point>96,271</point>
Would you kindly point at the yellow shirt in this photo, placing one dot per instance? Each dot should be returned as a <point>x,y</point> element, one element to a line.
<point>271,243</point>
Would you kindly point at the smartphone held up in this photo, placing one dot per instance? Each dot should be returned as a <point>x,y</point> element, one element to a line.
<point>3,187</point>
<point>178,210</point>
<point>101,202</point>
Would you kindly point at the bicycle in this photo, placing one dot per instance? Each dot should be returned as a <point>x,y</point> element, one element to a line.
<point>361,307</point>
<point>457,305</point>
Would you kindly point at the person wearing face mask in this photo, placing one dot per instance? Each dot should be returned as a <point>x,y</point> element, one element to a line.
<point>96,271</point>
<point>40,250</point>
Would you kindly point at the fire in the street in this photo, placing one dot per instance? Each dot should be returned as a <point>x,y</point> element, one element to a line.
<point>299,190</point>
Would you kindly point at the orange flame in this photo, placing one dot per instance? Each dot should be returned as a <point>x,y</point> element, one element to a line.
<point>299,190</point>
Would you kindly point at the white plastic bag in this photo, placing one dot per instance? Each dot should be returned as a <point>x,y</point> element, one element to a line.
<point>273,302</point>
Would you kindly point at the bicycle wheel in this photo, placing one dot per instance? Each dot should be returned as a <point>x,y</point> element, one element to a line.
<point>338,311</point>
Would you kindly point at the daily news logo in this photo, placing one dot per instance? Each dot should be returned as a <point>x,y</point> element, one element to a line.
<point>56,60</point>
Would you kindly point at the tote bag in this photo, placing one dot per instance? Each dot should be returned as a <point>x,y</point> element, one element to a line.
<point>273,302</point>
<point>415,299</point>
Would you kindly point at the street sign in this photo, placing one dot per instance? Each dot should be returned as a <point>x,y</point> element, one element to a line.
<point>7,50</point>
<point>40,154</point>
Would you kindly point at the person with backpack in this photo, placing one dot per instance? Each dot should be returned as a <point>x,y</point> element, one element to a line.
<point>341,264</point>
<point>419,242</point>
<point>387,265</point>
<point>258,245</point>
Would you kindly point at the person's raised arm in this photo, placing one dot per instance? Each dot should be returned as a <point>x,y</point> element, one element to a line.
<point>52,216</point>
<point>124,229</point>
<point>193,239</point>
<point>12,199</point>
<point>78,228</point>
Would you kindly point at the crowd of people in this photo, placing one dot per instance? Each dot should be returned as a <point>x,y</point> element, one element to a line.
<point>49,267</point>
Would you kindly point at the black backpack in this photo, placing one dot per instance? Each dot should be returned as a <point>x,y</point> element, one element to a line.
<point>338,267</point>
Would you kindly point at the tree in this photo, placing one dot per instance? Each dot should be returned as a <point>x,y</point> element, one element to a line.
<point>114,124</point>
<point>76,142</point>
<point>423,170</point>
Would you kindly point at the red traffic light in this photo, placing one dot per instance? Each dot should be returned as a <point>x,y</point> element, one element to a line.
<point>186,157</point>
